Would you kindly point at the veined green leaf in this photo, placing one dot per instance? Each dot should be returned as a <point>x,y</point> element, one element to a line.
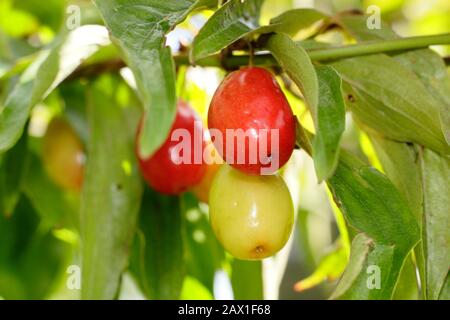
<point>138,28</point>
<point>401,164</point>
<point>432,73</point>
<point>296,63</point>
<point>110,196</point>
<point>330,122</point>
<point>234,20</point>
<point>436,222</point>
<point>13,168</point>
<point>292,21</point>
<point>427,65</point>
<point>247,280</point>
<point>389,98</point>
<point>372,272</point>
<point>371,204</point>
<point>48,70</point>
<point>157,260</point>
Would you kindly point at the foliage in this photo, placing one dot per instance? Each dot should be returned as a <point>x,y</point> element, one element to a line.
<point>376,126</point>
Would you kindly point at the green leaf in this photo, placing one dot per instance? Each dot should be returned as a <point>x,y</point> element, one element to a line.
<point>432,73</point>
<point>407,287</point>
<point>13,167</point>
<point>48,200</point>
<point>427,65</point>
<point>157,260</point>
<point>330,122</point>
<point>111,193</point>
<point>233,21</point>
<point>387,97</point>
<point>138,28</point>
<point>194,290</point>
<point>431,70</point>
<point>31,260</point>
<point>368,261</point>
<point>399,161</point>
<point>436,222</point>
<point>445,293</point>
<point>292,21</point>
<point>204,255</point>
<point>371,204</point>
<point>49,69</point>
<point>296,63</point>
<point>246,279</point>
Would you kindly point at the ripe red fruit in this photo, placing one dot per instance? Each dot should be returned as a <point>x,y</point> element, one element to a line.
<point>165,171</point>
<point>250,99</point>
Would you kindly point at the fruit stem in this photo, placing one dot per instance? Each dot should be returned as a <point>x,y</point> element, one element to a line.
<point>251,55</point>
<point>331,53</point>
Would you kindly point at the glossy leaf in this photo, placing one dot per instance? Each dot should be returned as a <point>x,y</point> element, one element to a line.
<point>233,21</point>
<point>110,196</point>
<point>157,260</point>
<point>292,21</point>
<point>49,69</point>
<point>247,280</point>
<point>436,222</point>
<point>330,122</point>
<point>296,63</point>
<point>138,28</point>
<point>13,168</point>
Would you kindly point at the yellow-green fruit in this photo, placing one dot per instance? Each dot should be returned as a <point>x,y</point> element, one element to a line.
<point>62,155</point>
<point>252,216</point>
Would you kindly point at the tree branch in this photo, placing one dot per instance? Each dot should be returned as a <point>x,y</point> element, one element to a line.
<point>231,62</point>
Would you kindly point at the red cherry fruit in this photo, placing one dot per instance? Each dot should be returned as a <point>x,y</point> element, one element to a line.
<point>166,171</point>
<point>251,99</point>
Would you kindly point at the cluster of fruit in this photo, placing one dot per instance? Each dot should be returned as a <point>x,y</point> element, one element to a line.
<point>251,210</point>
